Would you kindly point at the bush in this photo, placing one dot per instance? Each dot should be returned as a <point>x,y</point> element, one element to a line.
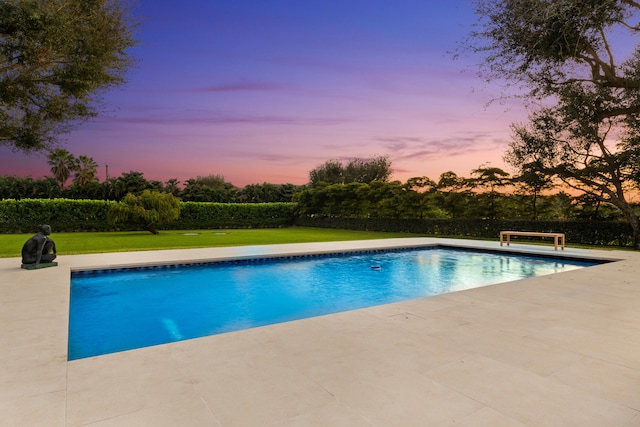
<point>597,233</point>
<point>65,215</point>
<point>202,215</point>
<point>149,210</point>
<point>26,215</point>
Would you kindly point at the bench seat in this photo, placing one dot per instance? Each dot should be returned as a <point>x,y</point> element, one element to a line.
<point>558,238</point>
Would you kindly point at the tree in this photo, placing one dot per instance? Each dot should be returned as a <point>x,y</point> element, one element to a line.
<point>418,197</point>
<point>56,57</point>
<point>492,178</point>
<point>453,195</point>
<point>368,170</point>
<point>133,182</point>
<point>62,164</point>
<point>357,170</point>
<point>171,186</point>
<point>210,188</point>
<point>331,172</point>
<point>533,181</point>
<point>85,169</point>
<point>149,210</point>
<point>561,53</point>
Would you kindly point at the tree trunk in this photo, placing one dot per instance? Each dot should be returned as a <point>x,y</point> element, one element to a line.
<point>634,221</point>
<point>635,226</point>
<point>151,229</point>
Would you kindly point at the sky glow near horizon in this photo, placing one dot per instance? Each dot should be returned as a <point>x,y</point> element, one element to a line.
<point>266,91</point>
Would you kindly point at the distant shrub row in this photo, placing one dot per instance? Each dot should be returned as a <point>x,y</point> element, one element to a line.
<point>65,215</point>
<point>600,233</point>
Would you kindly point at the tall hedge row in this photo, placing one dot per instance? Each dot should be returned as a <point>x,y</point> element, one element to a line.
<point>198,215</point>
<point>605,233</point>
<point>25,215</point>
<point>64,215</point>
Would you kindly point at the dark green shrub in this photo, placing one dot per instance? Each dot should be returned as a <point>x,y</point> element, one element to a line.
<point>605,233</point>
<point>25,215</point>
<point>149,210</point>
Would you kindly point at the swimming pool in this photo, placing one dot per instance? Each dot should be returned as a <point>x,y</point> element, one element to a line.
<point>112,311</point>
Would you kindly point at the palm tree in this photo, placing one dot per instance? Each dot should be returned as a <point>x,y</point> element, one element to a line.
<point>85,170</point>
<point>62,164</point>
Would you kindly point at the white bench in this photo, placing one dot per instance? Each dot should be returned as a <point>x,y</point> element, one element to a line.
<point>557,237</point>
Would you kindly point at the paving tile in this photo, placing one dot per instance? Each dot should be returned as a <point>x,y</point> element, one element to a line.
<point>47,410</point>
<point>404,399</point>
<point>486,417</point>
<point>122,383</point>
<point>256,389</point>
<point>514,350</point>
<point>30,371</point>
<point>179,412</point>
<point>334,415</point>
<point>635,422</point>
<point>593,343</point>
<point>607,380</point>
<point>554,350</point>
<point>529,398</point>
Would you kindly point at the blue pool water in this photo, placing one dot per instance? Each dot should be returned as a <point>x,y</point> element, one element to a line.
<point>123,310</point>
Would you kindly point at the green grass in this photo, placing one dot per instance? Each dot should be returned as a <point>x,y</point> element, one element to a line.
<point>86,243</point>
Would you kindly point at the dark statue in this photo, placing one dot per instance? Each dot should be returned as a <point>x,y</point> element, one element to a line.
<point>39,249</point>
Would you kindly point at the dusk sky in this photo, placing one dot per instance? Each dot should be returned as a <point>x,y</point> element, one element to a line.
<point>264,91</point>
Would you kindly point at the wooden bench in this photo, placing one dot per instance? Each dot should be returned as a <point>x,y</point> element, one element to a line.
<point>557,237</point>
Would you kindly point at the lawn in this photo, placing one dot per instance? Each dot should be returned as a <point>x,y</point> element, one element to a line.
<point>85,243</point>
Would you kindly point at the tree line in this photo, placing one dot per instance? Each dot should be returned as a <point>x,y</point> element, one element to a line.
<point>211,188</point>
<point>358,188</point>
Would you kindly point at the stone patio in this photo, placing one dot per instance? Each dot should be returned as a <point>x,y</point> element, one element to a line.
<point>558,350</point>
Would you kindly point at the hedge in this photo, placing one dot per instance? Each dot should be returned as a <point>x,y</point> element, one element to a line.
<point>25,215</point>
<point>597,233</point>
<point>203,215</point>
<point>66,215</point>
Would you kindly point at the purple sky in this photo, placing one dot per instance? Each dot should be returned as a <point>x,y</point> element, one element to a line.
<point>264,91</point>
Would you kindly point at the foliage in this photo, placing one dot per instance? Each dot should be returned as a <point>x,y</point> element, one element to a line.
<point>211,188</point>
<point>150,209</point>
<point>234,215</point>
<point>607,233</point>
<point>25,215</point>
<point>56,57</point>
<point>85,169</point>
<point>532,180</point>
<point>562,52</point>
<point>356,170</point>
<point>62,163</point>
<point>268,193</point>
<point>492,178</point>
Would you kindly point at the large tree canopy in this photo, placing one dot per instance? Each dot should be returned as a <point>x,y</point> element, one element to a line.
<point>356,170</point>
<point>56,57</point>
<point>570,58</point>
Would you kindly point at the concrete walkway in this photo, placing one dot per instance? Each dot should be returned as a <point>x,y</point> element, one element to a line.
<point>558,350</point>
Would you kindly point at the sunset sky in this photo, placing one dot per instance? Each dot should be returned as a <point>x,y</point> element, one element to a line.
<point>264,91</point>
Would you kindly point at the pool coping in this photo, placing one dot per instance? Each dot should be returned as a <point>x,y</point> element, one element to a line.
<point>39,387</point>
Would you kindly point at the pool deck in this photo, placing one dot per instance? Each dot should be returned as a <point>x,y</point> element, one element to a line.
<point>558,350</point>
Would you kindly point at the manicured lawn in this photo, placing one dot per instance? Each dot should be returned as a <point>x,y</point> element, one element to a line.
<point>84,243</point>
